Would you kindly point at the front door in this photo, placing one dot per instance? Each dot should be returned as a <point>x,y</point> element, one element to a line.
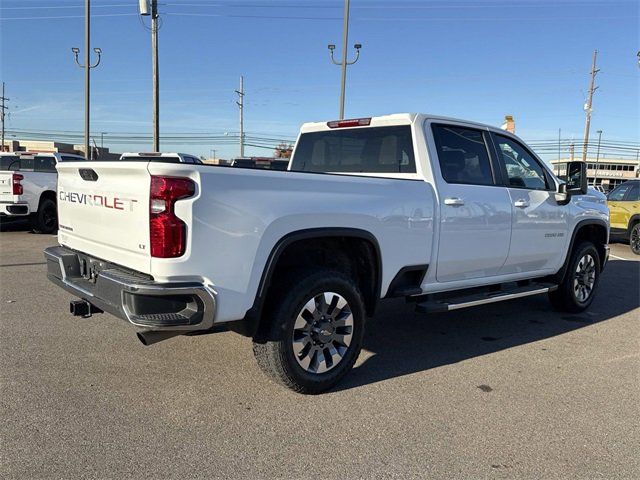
<point>475,213</point>
<point>540,226</point>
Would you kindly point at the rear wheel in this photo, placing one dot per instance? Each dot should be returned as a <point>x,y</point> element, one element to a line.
<point>577,290</point>
<point>315,332</point>
<point>45,219</point>
<point>634,239</point>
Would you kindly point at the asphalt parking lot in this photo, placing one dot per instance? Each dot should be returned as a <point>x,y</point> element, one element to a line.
<point>511,390</point>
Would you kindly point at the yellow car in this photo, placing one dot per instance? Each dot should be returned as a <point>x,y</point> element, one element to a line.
<point>624,211</point>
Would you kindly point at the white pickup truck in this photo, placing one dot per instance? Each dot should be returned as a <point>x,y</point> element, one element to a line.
<point>446,213</point>
<point>28,186</point>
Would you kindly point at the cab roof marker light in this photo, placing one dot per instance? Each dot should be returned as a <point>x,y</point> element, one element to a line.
<point>354,122</point>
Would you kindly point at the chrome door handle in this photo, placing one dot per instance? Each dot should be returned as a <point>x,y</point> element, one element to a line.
<point>521,203</point>
<point>454,201</point>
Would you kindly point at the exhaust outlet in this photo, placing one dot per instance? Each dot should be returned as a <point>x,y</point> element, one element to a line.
<point>149,338</point>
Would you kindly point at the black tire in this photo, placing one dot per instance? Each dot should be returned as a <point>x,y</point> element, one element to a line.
<point>634,238</point>
<point>45,220</point>
<point>276,356</point>
<point>569,297</point>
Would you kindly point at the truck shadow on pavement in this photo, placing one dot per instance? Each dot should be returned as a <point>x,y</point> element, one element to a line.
<point>404,342</point>
<point>15,225</point>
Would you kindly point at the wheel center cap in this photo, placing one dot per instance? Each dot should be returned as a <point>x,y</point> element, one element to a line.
<point>324,331</point>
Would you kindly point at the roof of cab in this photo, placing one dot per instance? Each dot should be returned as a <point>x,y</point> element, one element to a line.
<point>395,119</point>
<point>154,154</point>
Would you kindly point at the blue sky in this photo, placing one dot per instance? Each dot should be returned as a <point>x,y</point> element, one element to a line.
<point>470,59</point>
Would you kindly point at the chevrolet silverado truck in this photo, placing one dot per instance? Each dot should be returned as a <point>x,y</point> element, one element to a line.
<point>445,213</point>
<point>28,187</point>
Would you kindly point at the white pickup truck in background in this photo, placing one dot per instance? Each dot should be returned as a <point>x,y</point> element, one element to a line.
<point>160,157</point>
<point>28,186</point>
<point>445,213</point>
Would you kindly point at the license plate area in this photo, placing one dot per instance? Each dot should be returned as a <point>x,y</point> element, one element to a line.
<point>90,268</point>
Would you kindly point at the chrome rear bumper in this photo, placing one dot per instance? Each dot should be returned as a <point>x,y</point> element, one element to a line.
<point>131,296</point>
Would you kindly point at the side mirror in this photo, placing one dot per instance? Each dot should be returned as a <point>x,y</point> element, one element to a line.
<point>576,178</point>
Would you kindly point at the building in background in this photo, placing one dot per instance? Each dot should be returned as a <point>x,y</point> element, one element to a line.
<point>509,124</point>
<point>610,172</point>
<point>46,146</point>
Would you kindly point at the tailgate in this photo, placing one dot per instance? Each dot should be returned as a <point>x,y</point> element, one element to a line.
<point>6,187</point>
<point>103,210</point>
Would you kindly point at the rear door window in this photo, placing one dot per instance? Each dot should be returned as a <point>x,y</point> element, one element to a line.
<point>356,150</point>
<point>634,192</point>
<point>463,155</point>
<point>619,193</point>
<point>45,164</point>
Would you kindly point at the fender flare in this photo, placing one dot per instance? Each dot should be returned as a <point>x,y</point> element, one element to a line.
<point>249,324</point>
<point>583,223</point>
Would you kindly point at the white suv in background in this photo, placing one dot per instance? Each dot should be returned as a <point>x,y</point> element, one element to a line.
<point>28,183</point>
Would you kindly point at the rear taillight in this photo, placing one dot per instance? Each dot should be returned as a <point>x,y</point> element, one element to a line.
<point>168,234</point>
<point>15,182</point>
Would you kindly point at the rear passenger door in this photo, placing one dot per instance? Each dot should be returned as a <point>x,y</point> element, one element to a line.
<point>475,210</point>
<point>540,225</point>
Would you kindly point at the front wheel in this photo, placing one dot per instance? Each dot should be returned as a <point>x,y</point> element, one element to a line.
<point>634,239</point>
<point>316,332</point>
<point>45,219</point>
<point>578,287</point>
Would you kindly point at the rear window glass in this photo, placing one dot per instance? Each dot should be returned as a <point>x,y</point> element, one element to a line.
<point>370,150</point>
<point>18,163</point>
<point>151,159</point>
<point>9,162</point>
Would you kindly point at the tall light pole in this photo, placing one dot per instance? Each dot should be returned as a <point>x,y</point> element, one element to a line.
<point>3,107</point>
<point>595,176</point>
<point>87,69</point>
<point>150,7</point>
<point>588,107</point>
<point>344,62</point>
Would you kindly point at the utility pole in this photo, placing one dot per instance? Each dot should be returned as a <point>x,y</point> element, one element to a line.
<point>150,8</point>
<point>559,149</point>
<point>87,72</point>
<point>571,148</point>
<point>154,53</point>
<point>3,107</point>
<point>240,104</point>
<point>595,176</point>
<point>344,62</point>
<point>588,107</point>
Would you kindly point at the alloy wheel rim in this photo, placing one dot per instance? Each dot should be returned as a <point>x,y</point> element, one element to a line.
<point>584,278</point>
<point>49,217</point>
<point>322,332</point>
<point>635,239</point>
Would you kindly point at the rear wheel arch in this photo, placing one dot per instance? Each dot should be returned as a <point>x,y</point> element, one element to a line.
<point>350,251</point>
<point>47,195</point>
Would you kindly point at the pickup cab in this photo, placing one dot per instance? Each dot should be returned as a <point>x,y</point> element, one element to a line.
<point>28,186</point>
<point>445,213</point>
